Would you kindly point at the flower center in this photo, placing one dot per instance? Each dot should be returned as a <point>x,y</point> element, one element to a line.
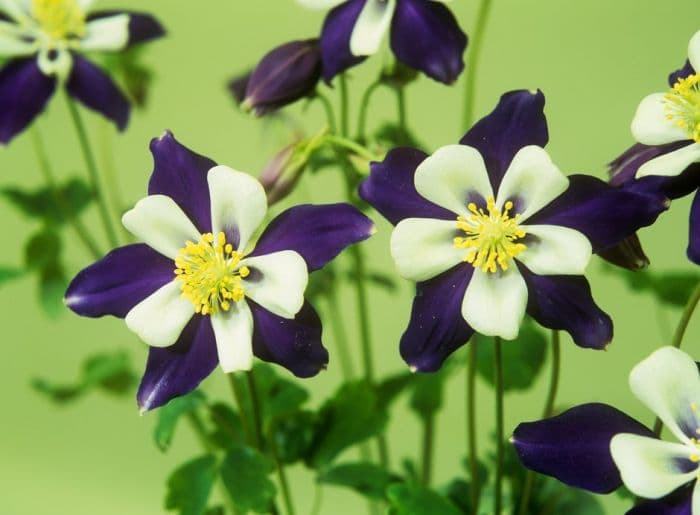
<point>60,19</point>
<point>491,237</point>
<point>683,105</point>
<point>211,274</point>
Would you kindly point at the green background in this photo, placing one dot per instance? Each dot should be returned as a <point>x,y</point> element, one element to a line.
<point>593,59</point>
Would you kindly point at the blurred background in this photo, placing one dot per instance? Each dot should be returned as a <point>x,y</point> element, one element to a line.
<point>594,61</point>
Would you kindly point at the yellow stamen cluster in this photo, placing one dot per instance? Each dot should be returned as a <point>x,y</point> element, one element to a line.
<point>492,237</point>
<point>683,105</point>
<point>211,274</point>
<point>60,19</point>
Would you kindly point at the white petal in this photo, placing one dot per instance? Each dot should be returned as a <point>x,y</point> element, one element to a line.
<point>667,382</point>
<point>238,203</point>
<point>650,467</point>
<point>160,223</point>
<point>111,33</point>
<point>17,10</point>
<point>233,330</point>
<point>650,125</point>
<point>86,5</point>
<point>532,181</point>
<point>451,175</point>
<point>494,303</point>
<point>319,4</point>
<point>160,318</point>
<point>58,63</point>
<point>371,26</point>
<point>277,282</point>
<point>555,250</point>
<point>696,498</point>
<point>673,163</point>
<point>12,42</point>
<point>423,247</point>
<point>694,52</point>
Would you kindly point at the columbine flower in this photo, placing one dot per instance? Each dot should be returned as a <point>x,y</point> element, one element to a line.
<point>43,39</point>
<point>490,229</point>
<point>667,155</point>
<point>598,448</point>
<point>424,35</point>
<point>200,291</point>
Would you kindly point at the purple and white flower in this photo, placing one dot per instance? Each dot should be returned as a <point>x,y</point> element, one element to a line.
<point>491,229</point>
<point>424,35</point>
<point>598,448</point>
<point>43,40</point>
<point>202,290</point>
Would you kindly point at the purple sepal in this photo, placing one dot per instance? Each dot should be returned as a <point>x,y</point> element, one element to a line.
<point>681,73</point>
<point>177,370</point>
<point>390,188</point>
<point>286,74</point>
<point>694,231</point>
<point>627,254</point>
<point>95,90</point>
<point>119,281</point>
<point>425,36</point>
<point>564,302</point>
<point>574,447</point>
<point>24,93</point>
<point>437,328</point>
<point>294,344</point>
<point>143,27</point>
<point>679,502</point>
<point>335,39</point>
<point>517,121</point>
<point>317,233</point>
<point>181,175</point>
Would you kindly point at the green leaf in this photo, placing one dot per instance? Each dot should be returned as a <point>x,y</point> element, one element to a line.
<point>426,399</point>
<point>278,397</point>
<point>523,358</point>
<point>352,415</point>
<point>8,274</point>
<point>672,288</point>
<point>133,75</point>
<point>190,485</point>
<point>392,387</point>
<point>411,499</point>
<point>170,414</point>
<point>293,436</point>
<point>367,479</point>
<point>71,198</point>
<point>228,426</point>
<point>552,498</point>
<point>52,286</point>
<point>42,250</point>
<point>246,475</point>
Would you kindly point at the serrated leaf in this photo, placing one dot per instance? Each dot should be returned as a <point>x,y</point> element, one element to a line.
<point>190,485</point>
<point>246,476</point>
<point>228,426</point>
<point>412,499</point>
<point>170,414</point>
<point>367,479</point>
<point>71,198</point>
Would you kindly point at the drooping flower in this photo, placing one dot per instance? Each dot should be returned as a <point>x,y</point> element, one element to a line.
<point>598,448</point>
<point>424,35</point>
<point>44,40</point>
<point>666,157</point>
<point>491,229</point>
<point>200,290</point>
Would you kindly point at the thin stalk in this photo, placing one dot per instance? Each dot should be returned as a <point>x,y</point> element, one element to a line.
<point>328,109</point>
<point>364,109</point>
<point>256,408</point>
<point>341,335</point>
<point>428,447</point>
<point>74,221</point>
<point>344,105</point>
<point>498,365</point>
<point>475,487</point>
<point>239,396</point>
<point>352,146</point>
<point>475,54</point>
<point>401,108</point>
<point>92,171</point>
<point>110,176</point>
<point>282,477</point>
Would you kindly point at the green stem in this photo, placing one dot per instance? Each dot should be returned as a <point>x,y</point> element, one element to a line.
<point>256,408</point>
<point>110,176</point>
<point>317,500</point>
<point>344,105</point>
<point>401,108</point>
<point>352,146</point>
<point>73,220</point>
<point>239,396</point>
<point>475,53</point>
<point>341,339</point>
<point>328,109</point>
<point>92,171</point>
<point>428,440</point>
<point>364,109</point>
<point>498,365</point>
<point>475,487</point>
<point>282,476</point>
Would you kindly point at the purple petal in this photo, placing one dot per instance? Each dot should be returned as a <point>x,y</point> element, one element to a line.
<point>437,328</point>
<point>517,121</point>
<point>95,90</point>
<point>676,503</point>
<point>574,447</point>
<point>626,254</point>
<point>564,302</point>
<point>335,39</point>
<point>682,73</point>
<point>694,239</point>
<point>606,215</point>
<point>390,188</point>
<point>177,370</point>
<point>318,233</point>
<point>119,281</point>
<point>24,93</point>
<point>294,344</point>
<point>238,86</point>
<point>425,36</point>
<point>142,26</point>
<point>181,174</point>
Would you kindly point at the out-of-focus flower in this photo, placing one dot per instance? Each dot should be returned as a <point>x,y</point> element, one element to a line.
<point>491,229</point>
<point>44,40</point>
<point>424,35</point>
<point>199,290</point>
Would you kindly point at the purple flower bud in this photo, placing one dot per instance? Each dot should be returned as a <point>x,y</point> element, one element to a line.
<point>284,75</point>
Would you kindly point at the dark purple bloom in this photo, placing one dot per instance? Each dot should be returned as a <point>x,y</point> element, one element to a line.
<point>199,290</point>
<point>490,229</point>
<point>44,44</point>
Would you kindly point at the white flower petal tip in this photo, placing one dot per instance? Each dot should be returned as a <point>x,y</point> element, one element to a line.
<point>555,250</point>
<point>371,26</point>
<point>651,125</point>
<point>233,331</point>
<point>319,4</point>
<point>694,51</point>
<point>671,164</point>
<point>107,34</point>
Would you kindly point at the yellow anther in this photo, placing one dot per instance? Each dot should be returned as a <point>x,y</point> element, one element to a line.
<point>60,19</point>
<point>683,105</point>
<point>694,458</point>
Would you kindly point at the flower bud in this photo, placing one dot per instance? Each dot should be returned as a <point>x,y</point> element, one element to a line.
<point>284,75</point>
